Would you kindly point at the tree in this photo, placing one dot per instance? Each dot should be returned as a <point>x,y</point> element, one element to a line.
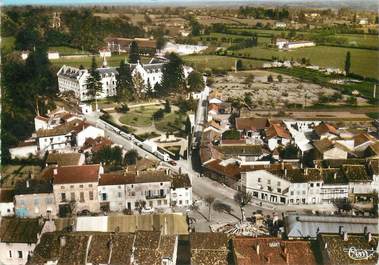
<point>195,82</point>
<point>172,75</point>
<point>236,106</point>
<point>160,43</point>
<point>270,79</point>
<point>158,115</point>
<point>239,65</point>
<point>124,84</point>
<point>131,157</point>
<point>134,56</point>
<point>149,93</point>
<point>289,152</point>
<point>138,85</point>
<point>280,78</point>
<point>140,205</point>
<point>93,82</point>
<point>347,63</point>
<point>343,204</point>
<point>210,200</point>
<point>248,100</point>
<point>167,106</point>
<point>243,198</point>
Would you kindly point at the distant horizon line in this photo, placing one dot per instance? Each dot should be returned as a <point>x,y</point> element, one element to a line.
<point>354,4</point>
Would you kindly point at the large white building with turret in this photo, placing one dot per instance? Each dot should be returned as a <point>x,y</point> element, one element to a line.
<point>75,79</point>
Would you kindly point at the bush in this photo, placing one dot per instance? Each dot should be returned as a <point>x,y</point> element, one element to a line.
<point>270,79</point>
<point>123,108</point>
<point>158,115</point>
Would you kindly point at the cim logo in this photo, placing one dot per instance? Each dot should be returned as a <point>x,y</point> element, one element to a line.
<point>359,253</point>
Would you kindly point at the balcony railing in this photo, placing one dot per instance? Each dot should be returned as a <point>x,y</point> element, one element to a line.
<point>159,196</point>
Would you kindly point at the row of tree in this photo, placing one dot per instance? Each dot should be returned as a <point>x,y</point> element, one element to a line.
<point>79,28</point>
<point>28,89</point>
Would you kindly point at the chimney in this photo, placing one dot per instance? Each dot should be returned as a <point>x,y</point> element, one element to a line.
<point>180,170</point>
<point>282,165</point>
<point>365,230</point>
<point>306,171</point>
<point>285,172</point>
<point>345,236</point>
<point>62,241</point>
<point>55,171</point>
<point>258,249</point>
<point>369,237</point>
<point>326,245</point>
<point>28,184</point>
<point>340,230</point>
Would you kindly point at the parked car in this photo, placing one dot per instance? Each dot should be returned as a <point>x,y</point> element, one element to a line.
<point>147,209</point>
<point>172,162</point>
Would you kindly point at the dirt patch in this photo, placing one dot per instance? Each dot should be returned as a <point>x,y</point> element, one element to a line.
<point>269,95</point>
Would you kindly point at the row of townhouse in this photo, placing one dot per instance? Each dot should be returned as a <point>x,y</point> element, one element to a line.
<point>312,185</point>
<point>60,130</point>
<point>79,188</point>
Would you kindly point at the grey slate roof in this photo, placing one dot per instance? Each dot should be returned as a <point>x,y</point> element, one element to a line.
<point>107,70</point>
<point>302,226</point>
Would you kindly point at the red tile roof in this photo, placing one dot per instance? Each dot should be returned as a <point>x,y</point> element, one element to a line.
<point>77,174</point>
<point>116,178</point>
<point>230,170</point>
<point>270,250</point>
<point>253,124</point>
<point>323,128</point>
<point>277,130</point>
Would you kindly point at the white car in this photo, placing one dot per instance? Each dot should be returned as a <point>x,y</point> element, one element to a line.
<point>147,209</point>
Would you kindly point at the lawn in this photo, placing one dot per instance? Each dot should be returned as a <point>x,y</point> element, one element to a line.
<point>171,122</point>
<point>201,62</point>
<point>139,117</point>
<point>363,62</point>
<point>142,117</point>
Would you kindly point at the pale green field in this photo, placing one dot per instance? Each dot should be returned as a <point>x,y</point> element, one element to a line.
<point>363,62</point>
<point>202,62</point>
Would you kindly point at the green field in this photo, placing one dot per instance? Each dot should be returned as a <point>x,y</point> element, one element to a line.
<point>86,60</point>
<point>363,62</point>
<point>229,38</point>
<point>353,40</point>
<point>202,62</point>
<point>64,50</point>
<point>365,87</point>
